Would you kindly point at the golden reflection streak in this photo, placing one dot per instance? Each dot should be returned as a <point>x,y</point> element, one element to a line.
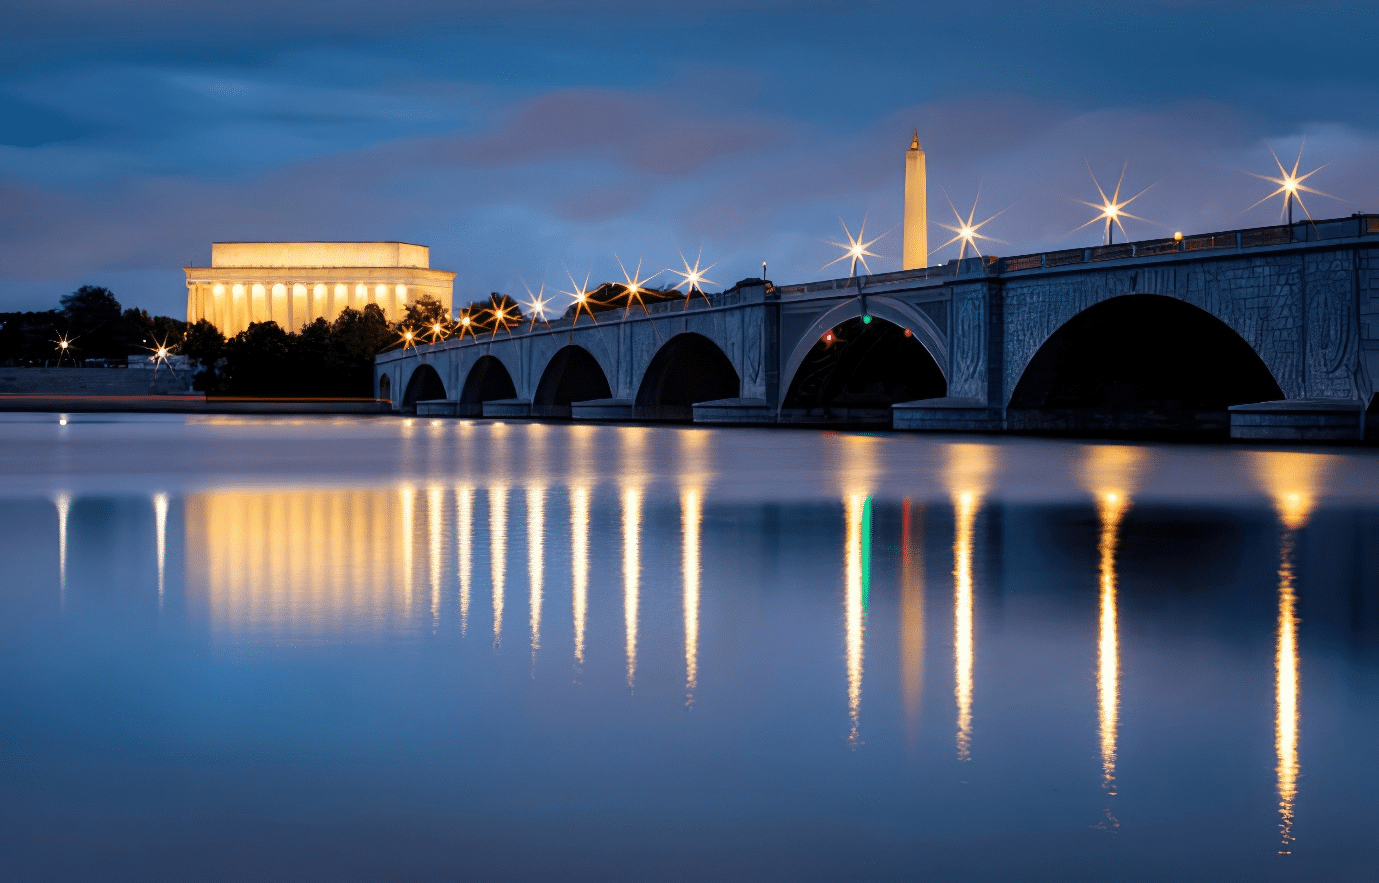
<point>63,502</point>
<point>965,506</point>
<point>435,499</point>
<point>969,471</point>
<point>160,520</point>
<point>691,516</point>
<point>631,573</point>
<point>497,553</point>
<point>536,538</point>
<point>1112,506</point>
<point>1292,480</point>
<point>853,609</point>
<point>579,565</point>
<point>911,614</point>
<point>408,498</point>
<point>1286,693</point>
<point>464,549</point>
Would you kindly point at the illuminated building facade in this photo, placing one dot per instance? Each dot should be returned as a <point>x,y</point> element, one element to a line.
<point>294,283</point>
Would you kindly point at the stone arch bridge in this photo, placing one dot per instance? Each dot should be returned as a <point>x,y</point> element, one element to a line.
<point>1271,332</point>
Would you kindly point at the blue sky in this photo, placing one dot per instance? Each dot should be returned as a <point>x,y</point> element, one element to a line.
<point>522,139</point>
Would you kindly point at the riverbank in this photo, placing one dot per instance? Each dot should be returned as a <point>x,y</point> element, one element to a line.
<point>187,404</point>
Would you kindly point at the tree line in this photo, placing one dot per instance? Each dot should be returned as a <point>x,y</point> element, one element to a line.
<point>322,359</point>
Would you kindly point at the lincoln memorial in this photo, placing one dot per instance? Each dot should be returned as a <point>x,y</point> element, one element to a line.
<point>294,283</point>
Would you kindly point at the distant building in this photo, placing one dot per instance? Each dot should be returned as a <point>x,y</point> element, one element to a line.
<point>293,283</point>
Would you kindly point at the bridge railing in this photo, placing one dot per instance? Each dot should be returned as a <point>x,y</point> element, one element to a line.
<point>1255,237</point>
<point>1236,240</point>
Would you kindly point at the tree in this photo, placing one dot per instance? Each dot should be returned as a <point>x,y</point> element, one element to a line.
<point>356,337</point>
<point>257,361</point>
<point>90,307</point>
<point>204,345</point>
<point>424,312</point>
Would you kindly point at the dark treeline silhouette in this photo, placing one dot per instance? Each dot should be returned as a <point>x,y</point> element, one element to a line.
<point>321,360</point>
<point>93,323</point>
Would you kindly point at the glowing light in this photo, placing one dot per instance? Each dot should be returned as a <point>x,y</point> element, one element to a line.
<point>634,286</point>
<point>580,293</point>
<point>438,332</point>
<point>909,333</point>
<point>828,337</point>
<point>911,614</point>
<point>866,319</point>
<point>1112,208</point>
<point>579,566</point>
<point>631,574</point>
<point>536,306</point>
<point>497,553</point>
<point>536,538</point>
<point>693,277</point>
<point>464,549</point>
<point>63,347</point>
<point>965,506</point>
<point>465,325</point>
<point>967,229</point>
<point>160,521</point>
<point>1290,185</point>
<point>500,316</point>
<point>857,513</point>
<point>408,338</point>
<point>691,514</point>
<point>161,351</point>
<point>855,249</point>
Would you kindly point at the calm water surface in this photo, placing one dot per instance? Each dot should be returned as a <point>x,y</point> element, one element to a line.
<point>412,649</point>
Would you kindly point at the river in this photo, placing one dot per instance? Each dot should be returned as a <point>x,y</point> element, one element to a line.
<point>365,648</point>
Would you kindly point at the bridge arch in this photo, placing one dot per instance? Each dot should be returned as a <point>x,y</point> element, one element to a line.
<point>687,369</point>
<point>893,310</point>
<point>424,385</point>
<point>1143,354</point>
<point>863,364</point>
<point>385,387</point>
<point>488,379</point>
<point>571,375</point>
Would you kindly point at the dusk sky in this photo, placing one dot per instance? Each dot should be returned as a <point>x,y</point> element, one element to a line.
<point>522,139</point>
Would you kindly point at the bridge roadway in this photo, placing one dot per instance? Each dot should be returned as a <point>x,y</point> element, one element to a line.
<point>1269,333</point>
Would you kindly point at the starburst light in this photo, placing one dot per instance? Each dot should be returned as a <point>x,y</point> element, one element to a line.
<point>581,297</point>
<point>858,249</point>
<point>966,229</point>
<point>408,338</point>
<point>63,347</point>
<point>465,325</point>
<point>502,319</point>
<point>693,277</point>
<point>1112,208</point>
<point>536,305</point>
<point>161,353</point>
<point>634,286</point>
<point>1291,186</point>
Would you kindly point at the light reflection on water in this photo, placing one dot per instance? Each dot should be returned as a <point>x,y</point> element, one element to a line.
<point>288,567</point>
